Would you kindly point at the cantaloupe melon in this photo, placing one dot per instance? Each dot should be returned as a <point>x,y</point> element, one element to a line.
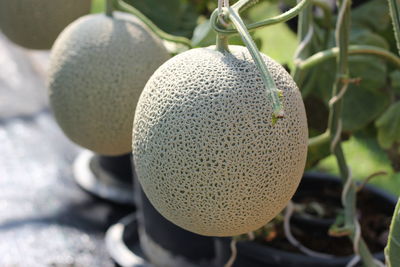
<point>205,149</point>
<point>98,67</point>
<point>36,24</point>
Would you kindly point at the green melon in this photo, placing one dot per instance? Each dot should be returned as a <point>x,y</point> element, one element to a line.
<point>36,24</point>
<point>98,68</point>
<point>205,150</point>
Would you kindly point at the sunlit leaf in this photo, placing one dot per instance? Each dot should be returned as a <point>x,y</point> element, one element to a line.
<point>392,250</point>
<point>389,126</point>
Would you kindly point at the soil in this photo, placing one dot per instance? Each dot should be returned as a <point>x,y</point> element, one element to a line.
<point>373,217</point>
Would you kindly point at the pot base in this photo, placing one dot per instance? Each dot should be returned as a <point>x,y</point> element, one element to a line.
<point>118,248</point>
<point>94,179</point>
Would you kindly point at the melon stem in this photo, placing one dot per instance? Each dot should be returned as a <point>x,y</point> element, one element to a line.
<point>222,43</point>
<point>222,39</point>
<point>272,91</point>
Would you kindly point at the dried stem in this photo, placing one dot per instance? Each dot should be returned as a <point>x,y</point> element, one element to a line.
<point>369,178</point>
<point>232,259</point>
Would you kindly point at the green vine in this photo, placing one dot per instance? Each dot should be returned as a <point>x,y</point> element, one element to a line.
<point>122,6</point>
<point>351,223</point>
<point>305,31</point>
<point>322,56</point>
<point>394,9</point>
<point>273,92</point>
<point>319,139</point>
<point>242,5</point>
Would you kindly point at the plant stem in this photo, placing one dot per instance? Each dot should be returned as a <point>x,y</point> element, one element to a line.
<point>121,5</point>
<point>335,128</point>
<point>327,19</point>
<point>272,90</point>
<point>327,11</point>
<point>352,50</point>
<point>394,9</point>
<point>269,21</point>
<point>319,139</point>
<point>222,42</point>
<point>305,31</point>
<point>109,8</point>
<point>242,5</point>
<point>222,39</point>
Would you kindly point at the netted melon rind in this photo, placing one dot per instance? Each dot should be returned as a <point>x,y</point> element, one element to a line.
<point>205,150</point>
<point>35,24</point>
<point>98,68</point>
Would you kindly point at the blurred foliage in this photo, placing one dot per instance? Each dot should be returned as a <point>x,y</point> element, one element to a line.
<point>97,6</point>
<point>365,156</point>
<point>389,126</point>
<point>178,17</point>
<point>369,98</point>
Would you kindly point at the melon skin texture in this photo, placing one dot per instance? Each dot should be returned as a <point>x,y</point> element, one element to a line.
<point>205,150</point>
<point>98,68</point>
<point>35,24</point>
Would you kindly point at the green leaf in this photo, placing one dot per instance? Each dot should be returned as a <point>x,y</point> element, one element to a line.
<point>373,15</point>
<point>178,17</point>
<point>278,41</point>
<point>362,103</point>
<point>203,35</point>
<point>389,126</point>
<point>371,70</point>
<point>395,80</point>
<point>365,36</point>
<point>392,250</point>
<point>361,107</point>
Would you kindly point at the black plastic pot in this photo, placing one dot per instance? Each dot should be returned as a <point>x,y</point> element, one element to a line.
<point>122,243</point>
<point>256,255</point>
<point>146,236</point>
<point>168,245</point>
<point>109,178</point>
<point>119,166</point>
